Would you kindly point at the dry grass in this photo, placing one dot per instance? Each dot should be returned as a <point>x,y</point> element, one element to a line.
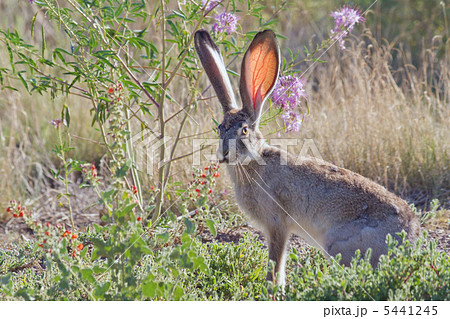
<point>362,119</point>
<point>387,123</point>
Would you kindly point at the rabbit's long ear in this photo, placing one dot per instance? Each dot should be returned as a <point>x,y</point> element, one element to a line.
<point>213,64</point>
<point>259,72</point>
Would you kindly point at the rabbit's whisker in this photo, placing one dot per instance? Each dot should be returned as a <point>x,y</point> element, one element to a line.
<point>249,178</point>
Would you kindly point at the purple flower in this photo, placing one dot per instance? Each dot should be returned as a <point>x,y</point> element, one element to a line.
<point>31,1</point>
<point>292,121</point>
<point>344,21</point>
<point>289,92</point>
<point>57,123</point>
<point>225,22</point>
<point>210,4</point>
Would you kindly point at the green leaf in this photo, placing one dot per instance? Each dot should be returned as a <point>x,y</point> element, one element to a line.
<point>101,290</point>
<point>233,73</point>
<point>121,172</point>
<point>202,201</point>
<point>149,289</point>
<point>24,82</point>
<point>6,279</point>
<point>43,41</point>
<point>24,294</point>
<point>65,114</point>
<point>212,227</point>
<point>164,237</point>
<point>179,292</point>
<point>33,21</point>
<point>190,227</point>
<point>126,210</point>
<point>86,274</point>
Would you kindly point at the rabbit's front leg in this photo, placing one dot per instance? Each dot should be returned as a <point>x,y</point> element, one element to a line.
<point>277,238</point>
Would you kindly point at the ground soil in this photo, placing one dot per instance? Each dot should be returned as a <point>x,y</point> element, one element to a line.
<point>87,211</point>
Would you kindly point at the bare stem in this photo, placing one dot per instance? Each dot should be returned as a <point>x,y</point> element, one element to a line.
<point>162,124</point>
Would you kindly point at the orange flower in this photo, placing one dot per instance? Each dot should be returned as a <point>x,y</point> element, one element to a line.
<point>74,236</point>
<point>80,247</point>
<point>110,90</point>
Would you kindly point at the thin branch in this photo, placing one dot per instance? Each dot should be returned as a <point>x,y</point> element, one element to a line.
<point>87,140</point>
<point>188,154</point>
<point>197,134</point>
<point>135,79</point>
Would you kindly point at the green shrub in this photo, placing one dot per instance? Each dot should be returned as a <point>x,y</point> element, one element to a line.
<point>418,272</point>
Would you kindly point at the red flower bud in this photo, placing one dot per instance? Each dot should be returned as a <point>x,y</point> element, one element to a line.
<point>139,219</point>
<point>21,213</point>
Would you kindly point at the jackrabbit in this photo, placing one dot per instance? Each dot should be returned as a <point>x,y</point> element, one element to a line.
<point>332,208</point>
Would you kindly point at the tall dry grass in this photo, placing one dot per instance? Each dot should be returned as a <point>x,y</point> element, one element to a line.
<point>389,124</point>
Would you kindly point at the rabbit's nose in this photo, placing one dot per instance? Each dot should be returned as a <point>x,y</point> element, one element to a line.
<point>223,157</point>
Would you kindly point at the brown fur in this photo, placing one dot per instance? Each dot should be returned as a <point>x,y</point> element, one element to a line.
<point>332,208</point>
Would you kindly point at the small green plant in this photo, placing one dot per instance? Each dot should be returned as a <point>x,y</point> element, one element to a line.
<point>407,272</point>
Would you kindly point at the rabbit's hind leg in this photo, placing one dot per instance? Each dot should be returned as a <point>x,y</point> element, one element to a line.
<point>359,234</point>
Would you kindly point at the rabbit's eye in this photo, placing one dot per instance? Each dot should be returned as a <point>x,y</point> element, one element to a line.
<point>245,130</point>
